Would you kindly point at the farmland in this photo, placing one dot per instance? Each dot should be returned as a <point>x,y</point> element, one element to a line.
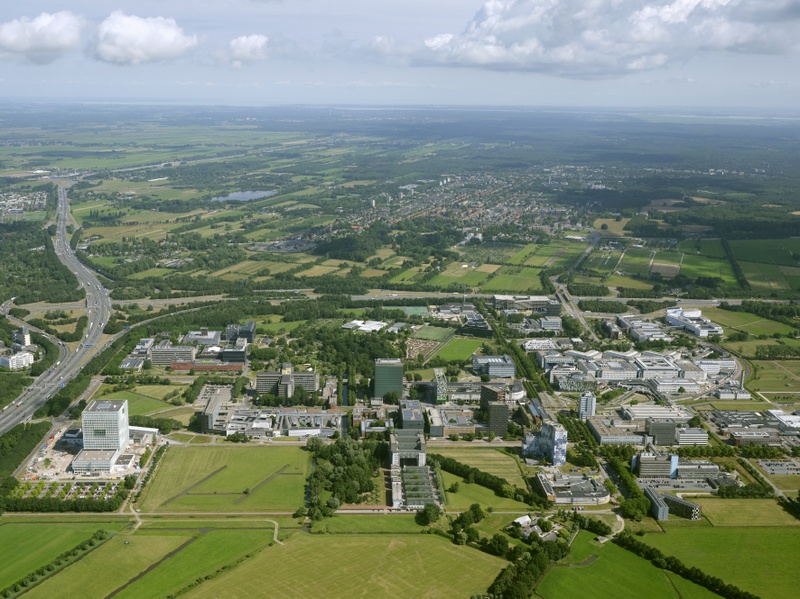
<point>192,479</point>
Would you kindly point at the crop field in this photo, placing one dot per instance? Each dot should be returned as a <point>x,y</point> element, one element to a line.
<point>491,251</point>
<point>192,479</point>
<point>557,254</point>
<point>461,273</point>
<point>432,333</point>
<point>459,349</point>
<point>711,248</point>
<point>36,544</point>
<point>636,261</point>
<point>603,576</point>
<point>702,266</point>
<point>513,279</point>
<point>666,263</point>
<point>488,460</point>
<point>767,251</point>
<point>767,556</point>
<point>776,376</point>
<point>420,565</point>
<point>765,278</point>
<point>473,493</point>
<point>602,261</point>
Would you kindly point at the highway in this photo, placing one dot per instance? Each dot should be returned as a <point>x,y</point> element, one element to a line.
<point>98,311</point>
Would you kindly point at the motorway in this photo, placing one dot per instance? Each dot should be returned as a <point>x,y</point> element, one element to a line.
<point>98,311</point>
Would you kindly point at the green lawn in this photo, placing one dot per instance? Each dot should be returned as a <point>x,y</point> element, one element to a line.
<point>762,560</point>
<point>704,266</point>
<point>459,349</point>
<point>142,405</point>
<point>615,573</point>
<point>488,460</point>
<point>514,279</point>
<point>358,523</point>
<point>215,478</point>
<point>472,493</point>
<point>765,278</point>
<point>704,247</point>
<point>432,333</point>
<point>775,377</point>
<point>27,546</point>
<point>749,323</point>
<point>347,566</point>
<point>746,512</point>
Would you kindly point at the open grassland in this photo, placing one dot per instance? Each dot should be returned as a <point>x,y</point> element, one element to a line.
<point>614,573</point>
<point>146,405</point>
<point>614,227</point>
<point>711,248</point>
<point>461,274</point>
<point>27,546</point>
<point>636,261</point>
<point>119,560</point>
<point>749,323</point>
<point>420,566</point>
<point>473,493</point>
<point>760,560</point>
<point>765,278</point>
<point>490,251</point>
<point>748,348</point>
<point>488,460</point>
<point>556,254</point>
<point>180,414</point>
<point>158,391</point>
<point>667,264</point>
<point>367,523</point>
<point>623,281</point>
<point>746,512</point>
<point>703,266</point>
<point>775,376</point>
<point>194,479</point>
<point>203,555</point>
<point>459,349</point>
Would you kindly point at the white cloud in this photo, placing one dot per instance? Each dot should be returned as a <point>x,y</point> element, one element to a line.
<point>43,38</point>
<point>129,40</point>
<point>247,48</point>
<point>601,38</point>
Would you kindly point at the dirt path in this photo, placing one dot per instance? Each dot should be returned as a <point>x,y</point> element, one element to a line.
<point>194,486</point>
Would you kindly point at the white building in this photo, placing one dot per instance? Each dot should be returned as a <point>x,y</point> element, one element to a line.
<point>645,411</point>
<point>105,425</point>
<point>693,321</point>
<point>587,404</point>
<point>692,436</point>
<point>551,442</point>
<point>18,361</point>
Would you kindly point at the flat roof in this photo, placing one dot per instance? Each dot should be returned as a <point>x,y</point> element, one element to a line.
<point>106,405</point>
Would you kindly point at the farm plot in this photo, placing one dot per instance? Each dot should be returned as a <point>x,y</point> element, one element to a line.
<point>193,479</point>
<point>514,279</point>
<point>602,261</point>
<point>557,254</point>
<point>420,565</point>
<point>767,251</point>
<point>487,460</point>
<point>711,248</point>
<point>636,261</point>
<point>766,278</point>
<point>703,266</point>
<point>460,273</point>
<point>668,264</point>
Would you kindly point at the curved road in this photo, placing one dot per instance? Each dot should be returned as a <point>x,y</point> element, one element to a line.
<point>98,311</point>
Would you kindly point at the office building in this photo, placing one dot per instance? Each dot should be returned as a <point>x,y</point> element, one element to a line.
<point>539,304</point>
<point>202,337</point>
<point>284,383</point>
<point>692,436</point>
<point>495,366</point>
<point>18,361</point>
<point>213,397</point>
<point>653,465</point>
<point>248,331</point>
<point>440,383</point>
<point>105,436</point>
<point>235,351</point>
<point>497,417</point>
<point>550,442</point>
<point>587,402</point>
<point>411,416</point>
<point>658,507</point>
<point>662,430</point>
<point>683,508</point>
<point>693,321</point>
<point>491,393</point>
<point>388,377</point>
<point>22,336</point>
<point>164,354</point>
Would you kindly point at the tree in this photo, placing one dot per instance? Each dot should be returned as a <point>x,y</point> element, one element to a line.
<point>428,515</point>
<point>391,398</point>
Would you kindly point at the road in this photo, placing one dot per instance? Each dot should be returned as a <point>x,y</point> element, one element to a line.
<point>98,311</point>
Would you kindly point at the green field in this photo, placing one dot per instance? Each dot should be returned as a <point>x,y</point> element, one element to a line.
<point>472,493</point>
<point>776,377</point>
<point>31,545</point>
<point>488,460</point>
<point>432,333</point>
<point>459,349</point>
<point>602,261</point>
<point>762,560</point>
<point>514,279</point>
<point>613,572</point>
<point>703,266</point>
<point>366,523</point>
<point>767,251</point>
<point>745,512</point>
<point>345,566</point>
<point>197,479</point>
<point>711,248</point>
<point>749,323</point>
<point>636,261</point>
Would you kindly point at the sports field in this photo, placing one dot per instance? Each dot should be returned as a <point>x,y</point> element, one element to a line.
<point>459,349</point>
<point>612,572</point>
<point>432,333</point>
<point>25,547</point>
<point>488,460</point>
<point>200,479</point>
<point>636,261</point>
<point>762,560</point>
<point>345,566</point>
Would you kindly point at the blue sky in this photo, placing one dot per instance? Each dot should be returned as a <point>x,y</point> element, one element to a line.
<point>696,53</point>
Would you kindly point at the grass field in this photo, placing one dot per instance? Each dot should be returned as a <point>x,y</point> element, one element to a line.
<point>615,228</point>
<point>488,460</point>
<point>400,523</point>
<point>767,251</point>
<point>711,248</point>
<point>704,266</point>
<point>615,573</point>
<point>760,560</point>
<point>460,273</point>
<point>636,261</point>
<point>215,478</point>
<point>31,545</point>
<point>459,349</point>
<point>749,323</point>
<point>432,333</point>
<point>775,377</point>
<point>514,279</point>
<point>745,512</point>
<point>419,566</point>
<point>602,261</point>
<point>141,405</point>
<point>765,278</point>
<point>472,493</point>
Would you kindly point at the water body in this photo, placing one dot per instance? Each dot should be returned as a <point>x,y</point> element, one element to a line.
<point>245,196</point>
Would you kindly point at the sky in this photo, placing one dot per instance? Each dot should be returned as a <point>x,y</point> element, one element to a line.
<point>596,53</point>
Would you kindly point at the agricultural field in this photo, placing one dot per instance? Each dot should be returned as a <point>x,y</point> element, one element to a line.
<point>711,248</point>
<point>746,322</point>
<point>702,266</point>
<point>513,279</point>
<point>488,460</point>
<point>636,261</point>
<point>411,565</point>
<point>668,264</point>
<point>767,251</point>
<point>765,278</point>
<point>614,227</point>
<point>491,252</point>
<point>459,349</point>
<point>195,479</point>
<point>602,261</point>
<point>462,274</point>
<point>767,555</point>
<point>36,544</point>
<point>602,572</point>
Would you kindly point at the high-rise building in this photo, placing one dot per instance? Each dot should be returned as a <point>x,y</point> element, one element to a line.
<point>105,425</point>
<point>550,442</point>
<point>284,383</point>
<point>388,377</point>
<point>662,430</point>
<point>440,382</point>
<point>586,405</point>
<point>497,417</point>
